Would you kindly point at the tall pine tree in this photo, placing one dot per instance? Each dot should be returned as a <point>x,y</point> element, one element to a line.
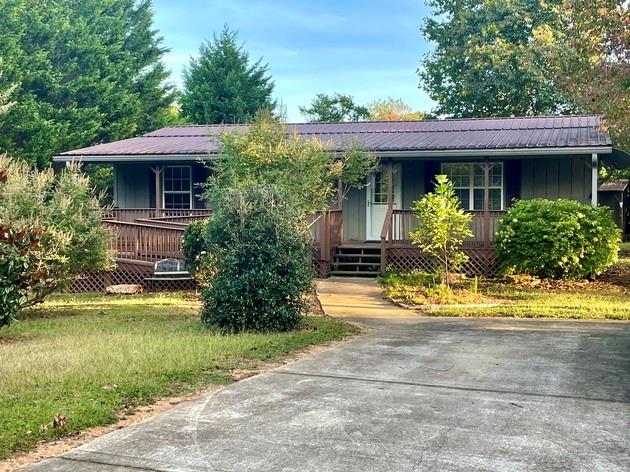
<point>86,72</point>
<point>221,86</point>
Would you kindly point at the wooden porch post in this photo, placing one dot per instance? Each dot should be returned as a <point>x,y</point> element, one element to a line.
<point>388,216</point>
<point>390,185</point>
<point>594,176</point>
<point>340,190</point>
<point>157,170</point>
<point>486,201</point>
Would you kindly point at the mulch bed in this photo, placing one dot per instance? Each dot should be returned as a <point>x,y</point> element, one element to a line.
<point>618,275</point>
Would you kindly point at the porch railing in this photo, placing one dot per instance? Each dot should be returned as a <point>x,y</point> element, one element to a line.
<point>399,223</point>
<point>145,241</point>
<point>132,214</point>
<point>152,239</point>
<point>327,230</point>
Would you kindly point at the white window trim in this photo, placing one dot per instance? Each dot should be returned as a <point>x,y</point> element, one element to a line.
<point>177,192</point>
<point>471,187</point>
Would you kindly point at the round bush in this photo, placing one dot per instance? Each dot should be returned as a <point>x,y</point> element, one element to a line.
<point>557,239</point>
<point>258,252</point>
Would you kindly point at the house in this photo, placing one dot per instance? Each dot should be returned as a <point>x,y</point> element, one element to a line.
<point>616,195</point>
<point>492,162</point>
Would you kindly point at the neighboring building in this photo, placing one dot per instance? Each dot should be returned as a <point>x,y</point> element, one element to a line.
<point>492,162</point>
<point>616,195</point>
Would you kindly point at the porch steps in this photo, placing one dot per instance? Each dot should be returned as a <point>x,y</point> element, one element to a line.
<point>359,260</point>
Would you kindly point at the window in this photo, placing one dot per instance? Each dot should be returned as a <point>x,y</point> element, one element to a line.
<point>380,188</point>
<point>177,187</point>
<point>468,181</point>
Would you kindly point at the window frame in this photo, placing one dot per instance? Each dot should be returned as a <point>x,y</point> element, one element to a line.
<point>188,192</point>
<point>471,183</point>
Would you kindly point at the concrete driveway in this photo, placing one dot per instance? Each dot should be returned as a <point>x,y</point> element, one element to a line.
<point>414,394</point>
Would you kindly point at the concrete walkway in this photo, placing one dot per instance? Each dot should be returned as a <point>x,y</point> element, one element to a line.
<point>415,394</point>
<point>359,299</point>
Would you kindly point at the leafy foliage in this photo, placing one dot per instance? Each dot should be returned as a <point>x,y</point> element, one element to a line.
<point>5,94</point>
<point>301,168</point>
<point>557,239</point>
<point>589,49</point>
<point>442,227</point>
<point>86,72</point>
<point>221,86</point>
<point>331,108</point>
<point>488,60</point>
<point>195,254</point>
<point>258,250</point>
<point>51,232</point>
<point>394,109</point>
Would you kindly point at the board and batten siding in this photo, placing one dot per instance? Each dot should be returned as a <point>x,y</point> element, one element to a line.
<point>553,178</point>
<point>131,185</point>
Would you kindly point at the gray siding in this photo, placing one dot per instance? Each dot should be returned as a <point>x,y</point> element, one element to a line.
<point>412,182</point>
<point>553,178</point>
<point>131,185</point>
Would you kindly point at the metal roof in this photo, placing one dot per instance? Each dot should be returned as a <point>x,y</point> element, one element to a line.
<point>536,133</point>
<point>613,186</point>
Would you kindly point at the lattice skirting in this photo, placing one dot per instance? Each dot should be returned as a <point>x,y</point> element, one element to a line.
<point>482,261</point>
<point>322,268</point>
<point>127,272</point>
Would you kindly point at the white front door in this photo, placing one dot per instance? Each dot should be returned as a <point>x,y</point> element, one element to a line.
<point>376,194</point>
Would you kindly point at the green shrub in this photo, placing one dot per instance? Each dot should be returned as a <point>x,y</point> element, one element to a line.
<point>557,239</point>
<point>258,252</point>
<point>193,244</point>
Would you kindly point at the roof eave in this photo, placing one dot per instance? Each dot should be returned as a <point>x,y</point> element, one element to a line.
<point>555,151</point>
<point>93,158</point>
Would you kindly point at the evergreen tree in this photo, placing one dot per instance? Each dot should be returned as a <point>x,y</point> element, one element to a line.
<point>221,86</point>
<point>86,72</point>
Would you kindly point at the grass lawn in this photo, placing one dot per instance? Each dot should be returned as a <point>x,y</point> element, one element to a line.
<point>581,300</point>
<point>89,357</point>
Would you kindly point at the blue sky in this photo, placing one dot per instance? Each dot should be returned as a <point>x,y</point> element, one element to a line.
<point>369,49</point>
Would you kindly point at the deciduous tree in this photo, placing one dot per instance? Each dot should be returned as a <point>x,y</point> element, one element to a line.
<point>487,60</point>
<point>442,227</point>
<point>394,109</point>
<point>332,108</point>
<point>589,49</point>
<point>304,168</point>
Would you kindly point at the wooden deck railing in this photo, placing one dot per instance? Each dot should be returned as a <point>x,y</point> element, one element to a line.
<point>152,239</point>
<point>132,214</point>
<point>146,241</point>
<point>399,223</point>
<point>327,230</point>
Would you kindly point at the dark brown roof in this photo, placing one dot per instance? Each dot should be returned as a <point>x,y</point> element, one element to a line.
<point>381,136</point>
<point>613,186</point>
